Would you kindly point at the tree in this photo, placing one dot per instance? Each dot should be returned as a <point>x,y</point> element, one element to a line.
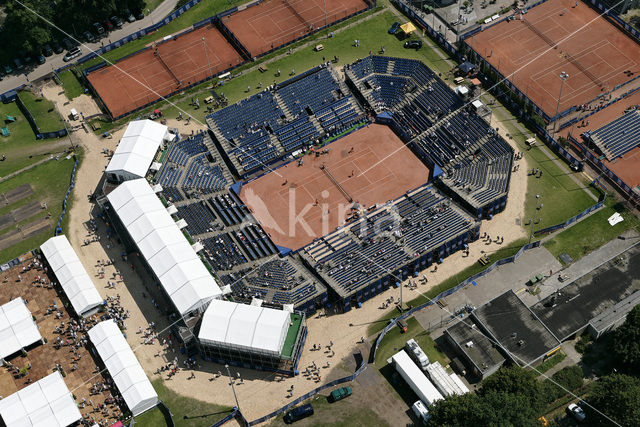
<point>626,343</point>
<point>26,29</point>
<point>617,397</point>
<point>457,410</point>
<point>517,381</point>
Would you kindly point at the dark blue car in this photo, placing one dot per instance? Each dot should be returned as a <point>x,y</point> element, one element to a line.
<point>394,28</point>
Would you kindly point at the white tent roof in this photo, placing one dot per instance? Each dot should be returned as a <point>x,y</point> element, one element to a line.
<point>248,327</point>
<point>137,148</point>
<point>71,274</point>
<point>17,327</point>
<point>124,368</point>
<point>47,402</point>
<point>180,270</point>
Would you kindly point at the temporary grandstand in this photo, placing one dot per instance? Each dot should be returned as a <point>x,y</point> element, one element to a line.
<point>473,162</point>
<point>275,124</point>
<point>18,329</point>
<point>123,367</point>
<point>617,138</point>
<point>72,276</point>
<point>136,150</point>
<point>47,402</point>
<point>251,335</point>
<point>148,226</point>
<point>390,244</point>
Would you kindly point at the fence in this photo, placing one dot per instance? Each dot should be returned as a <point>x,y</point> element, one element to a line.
<point>72,184</point>
<point>573,218</point>
<point>609,13</point>
<point>32,121</point>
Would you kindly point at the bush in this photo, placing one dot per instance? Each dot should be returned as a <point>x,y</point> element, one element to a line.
<point>584,343</point>
<point>569,378</point>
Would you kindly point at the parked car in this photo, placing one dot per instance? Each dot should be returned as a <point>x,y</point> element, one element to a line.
<point>89,37</point>
<point>128,15</point>
<point>413,44</point>
<point>99,29</point>
<point>108,25</point>
<point>72,54</point>
<point>46,50</point>
<point>7,68</point>
<point>57,48</point>
<point>298,413</point>
<point>576,412</point>
<point>18,63</point>
<point>339,394</point>
<point>41,59</point>
<point>116,21</point>
<point>139,15</point>
<point>394,28</point>
<point>67,43</point>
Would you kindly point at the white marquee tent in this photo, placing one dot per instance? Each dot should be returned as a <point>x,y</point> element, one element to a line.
<point>124,368</point>
<point>180,270</point>
<point>47,402</point>
<point>136,150</point>
<point>71,275</point>
<point>244,327</point>
<point>17,327</point>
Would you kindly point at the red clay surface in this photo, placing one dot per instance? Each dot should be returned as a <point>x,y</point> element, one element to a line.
<point>141,79</point>
<point>383,169</point>
<point>597,46</point>
<point>626,168</point>
<point>273,23</point>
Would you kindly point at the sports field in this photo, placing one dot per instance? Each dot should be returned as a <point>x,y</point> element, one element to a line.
<point>273,23</point>
<point>145,77</point>
<point>296,204</point>
<point>532,51</point>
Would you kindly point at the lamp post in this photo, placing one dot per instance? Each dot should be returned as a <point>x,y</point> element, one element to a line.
<point>533,218</point>
<point>235,396</point>
<point>563,76</point>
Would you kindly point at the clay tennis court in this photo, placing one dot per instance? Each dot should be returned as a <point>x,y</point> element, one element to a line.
<point>596,54</point>
<point>143,78</point>
<point>273,23</point>
<point>372,166</point>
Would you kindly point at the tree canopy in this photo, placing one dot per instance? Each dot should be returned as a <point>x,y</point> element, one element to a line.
<point>26,28</point>
<point>617,396</point>
<point>626,343</point>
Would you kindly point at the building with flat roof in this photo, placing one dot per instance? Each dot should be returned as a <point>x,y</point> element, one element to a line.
<point>614,316</point>
<point>568,311</point>
<point>520,333</point>
<point>478,352</point>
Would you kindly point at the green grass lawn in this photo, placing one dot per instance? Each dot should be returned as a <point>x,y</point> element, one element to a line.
<point>559,193</point>
<point>550,363</point>
<point>394,341</point>
<point>344,413</point>
<point>49,181</point>
<point>21,147</point>
<point>199,12</point>
<point>592,232</point>
<point>72,86</point>
<point>186,411</point>
<point>42,110</point>
<point>151,5</point>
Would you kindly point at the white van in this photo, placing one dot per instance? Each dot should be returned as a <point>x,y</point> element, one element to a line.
<point>421,412</point>
<point>74,114</point>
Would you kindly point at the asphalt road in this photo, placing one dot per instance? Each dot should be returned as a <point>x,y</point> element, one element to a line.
<point>34,72</point>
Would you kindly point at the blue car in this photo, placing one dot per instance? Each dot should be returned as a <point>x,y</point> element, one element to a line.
<point>394,28</point>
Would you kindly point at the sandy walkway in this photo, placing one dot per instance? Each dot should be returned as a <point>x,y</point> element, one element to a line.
<point>260,393</point>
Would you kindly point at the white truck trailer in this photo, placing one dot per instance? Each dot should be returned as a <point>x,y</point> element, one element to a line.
<point>415,378</point>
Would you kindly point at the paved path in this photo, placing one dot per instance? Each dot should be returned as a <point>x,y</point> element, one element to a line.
<point>55,61</point>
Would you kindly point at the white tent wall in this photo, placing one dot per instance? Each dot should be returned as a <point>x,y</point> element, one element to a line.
<point>17,327</point>
<point>71,274</point>
<point>124,368</point>
<point>241,327</point>
<point>136,150</point>
<point>47,402</point>
<point>166,250</point>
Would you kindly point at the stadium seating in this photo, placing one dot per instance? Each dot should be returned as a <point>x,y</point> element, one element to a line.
<point>229,208</point>
<point>222,252</point>
<point>618,137</point>
<point>198,216</point>
<point>313,91</point>
<point>297,134</point>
